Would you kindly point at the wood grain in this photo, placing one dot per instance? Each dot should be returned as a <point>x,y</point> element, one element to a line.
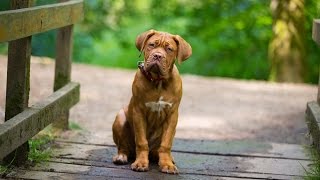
<point>95,161</point>
<point>25,125</point>
<point>18,83</point>
<point>20,23</point>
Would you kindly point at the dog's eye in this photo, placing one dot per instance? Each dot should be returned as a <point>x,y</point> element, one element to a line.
<point>152,45</point>
<point>169,49</point>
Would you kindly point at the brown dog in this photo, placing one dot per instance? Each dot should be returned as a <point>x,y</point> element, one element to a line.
<point>146,127</point>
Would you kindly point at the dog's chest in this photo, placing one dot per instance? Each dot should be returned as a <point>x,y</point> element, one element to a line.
<point>158,111</point>
<point>157,115</point>
<point>158,106</point>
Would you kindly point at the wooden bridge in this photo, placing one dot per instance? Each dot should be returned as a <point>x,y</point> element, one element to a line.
<point>88,156</point>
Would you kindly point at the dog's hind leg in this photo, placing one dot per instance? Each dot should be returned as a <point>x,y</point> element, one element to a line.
<point>122,136</point>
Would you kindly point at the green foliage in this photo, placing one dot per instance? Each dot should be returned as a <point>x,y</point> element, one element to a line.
<point>3,170</point>
<point>312,11</point>
<point>39,148</point>
<point>229,38</point>
<point>74,126</point>
<point>314,172</point>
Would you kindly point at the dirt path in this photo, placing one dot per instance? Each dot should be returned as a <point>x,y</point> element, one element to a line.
<point>211,108</point>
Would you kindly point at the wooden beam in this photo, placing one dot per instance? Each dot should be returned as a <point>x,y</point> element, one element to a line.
<point>25,125</point>
<point>63,62</point>
<point>316,31</point>
<point>63,69</point>
<point>16,24</point>
<point>18,83</point>
<point>313,120</point>
<point>316,38</point>
<point>318,98</point>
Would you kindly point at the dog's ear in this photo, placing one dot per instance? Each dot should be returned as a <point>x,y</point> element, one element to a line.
<point>142,39</point>
<point>184,48</point>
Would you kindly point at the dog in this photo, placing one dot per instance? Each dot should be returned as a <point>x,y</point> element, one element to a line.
<point>146,127</point>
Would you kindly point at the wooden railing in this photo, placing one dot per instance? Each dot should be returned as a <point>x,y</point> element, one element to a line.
<point>313,108</point>
<point>17,27</point>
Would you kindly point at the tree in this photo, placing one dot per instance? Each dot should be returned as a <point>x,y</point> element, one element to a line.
<point>287,48</point>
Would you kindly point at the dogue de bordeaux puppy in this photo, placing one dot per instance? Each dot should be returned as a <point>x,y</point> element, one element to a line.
<point>146,127</point>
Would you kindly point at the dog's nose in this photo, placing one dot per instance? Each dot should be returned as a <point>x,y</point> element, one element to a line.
<point>157,56</point>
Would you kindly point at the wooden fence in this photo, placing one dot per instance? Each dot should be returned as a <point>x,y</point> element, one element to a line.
<point>313,108</point>
<point>17,27</point>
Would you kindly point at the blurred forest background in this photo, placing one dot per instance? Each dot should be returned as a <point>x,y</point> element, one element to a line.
<point>247,39</point>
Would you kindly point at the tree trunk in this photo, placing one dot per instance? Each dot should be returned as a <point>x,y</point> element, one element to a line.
<point>287,50</point>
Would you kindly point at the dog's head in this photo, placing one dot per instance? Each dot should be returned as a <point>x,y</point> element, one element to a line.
<point>160,51</point>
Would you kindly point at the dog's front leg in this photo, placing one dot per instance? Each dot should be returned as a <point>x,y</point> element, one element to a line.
<point>142,150</point>
<point>165,157</point>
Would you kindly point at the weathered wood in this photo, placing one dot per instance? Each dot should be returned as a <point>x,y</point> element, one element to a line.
<point>16,24</point>
<point>109,170</point>
<point>316,31</point>
<point>18,83</point>
<point>247,148</point>
<point>63,68</point>
<point>187,162</point>
<point>25,125</point>
<point>316,38</point>
<point>82,161</point>
<point>313,120</point>
<point>94,161</point>
<point>112,174</point>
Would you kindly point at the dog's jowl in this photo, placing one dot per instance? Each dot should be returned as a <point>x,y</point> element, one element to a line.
<point>145,128</point>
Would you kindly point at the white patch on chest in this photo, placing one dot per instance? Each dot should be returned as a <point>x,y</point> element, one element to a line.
<point>158,106</point>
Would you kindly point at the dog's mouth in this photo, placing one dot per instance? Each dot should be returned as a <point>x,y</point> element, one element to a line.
<point>154,67</point>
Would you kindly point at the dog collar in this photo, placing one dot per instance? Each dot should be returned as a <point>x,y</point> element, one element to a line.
<point>148,74</point>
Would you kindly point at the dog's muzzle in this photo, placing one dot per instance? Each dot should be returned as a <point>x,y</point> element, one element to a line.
<point>154,63</point>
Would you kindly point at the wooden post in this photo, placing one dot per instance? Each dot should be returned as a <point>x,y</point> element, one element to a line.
<point>316,38</point>
<point>18,83</point>
<point>63,68</point>
<point>318,99</point>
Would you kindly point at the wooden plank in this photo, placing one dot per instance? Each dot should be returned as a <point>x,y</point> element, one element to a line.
<point>91,170</point>
<point>316,38</point>
<point>25,125</point>
<point>248,148</point>
<point>316,31</point>
<point>16,24</point>
<point>18,83</point>
<point>195,163</point>
<point>313,120</point>
<point>154,169</point>
<point>109,174</point>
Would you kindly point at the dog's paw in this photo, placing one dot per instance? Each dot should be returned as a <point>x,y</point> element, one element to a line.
<point>120,159</point>
<point>169,168</point>
<point>141,166</point>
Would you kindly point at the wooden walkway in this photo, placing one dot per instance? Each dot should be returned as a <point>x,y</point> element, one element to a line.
<point>84,156</point>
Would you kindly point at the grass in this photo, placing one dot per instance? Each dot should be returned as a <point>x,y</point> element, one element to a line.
<point>39,151</point>
<point>39,147</point>
<point>314,171</point>
<point>74,126</point>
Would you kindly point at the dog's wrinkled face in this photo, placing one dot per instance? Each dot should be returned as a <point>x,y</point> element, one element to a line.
<point>160,51</point>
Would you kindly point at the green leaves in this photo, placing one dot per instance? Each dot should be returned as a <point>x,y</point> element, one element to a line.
<point>229,38</point>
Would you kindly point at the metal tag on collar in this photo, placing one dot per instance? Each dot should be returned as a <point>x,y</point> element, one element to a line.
<point>140,63</point>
